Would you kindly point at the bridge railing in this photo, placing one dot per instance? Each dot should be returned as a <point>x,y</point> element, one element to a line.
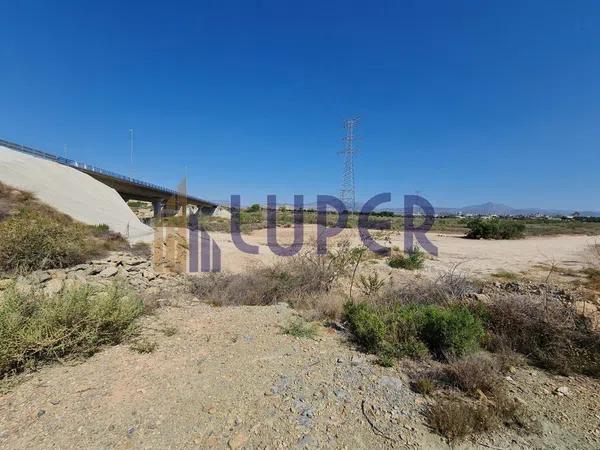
<point>90,168</point>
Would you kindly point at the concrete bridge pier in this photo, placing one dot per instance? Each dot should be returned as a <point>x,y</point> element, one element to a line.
<point>158,205</point>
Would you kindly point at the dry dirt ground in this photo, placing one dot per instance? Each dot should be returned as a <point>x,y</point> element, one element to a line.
<point>230,378</point>
<point>475,257</point>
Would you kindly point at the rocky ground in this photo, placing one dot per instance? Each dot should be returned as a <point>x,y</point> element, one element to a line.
<point>136,271</point>
<point>230,378</point>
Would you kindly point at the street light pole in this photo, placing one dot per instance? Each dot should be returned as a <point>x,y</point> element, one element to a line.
<point>131,153</point>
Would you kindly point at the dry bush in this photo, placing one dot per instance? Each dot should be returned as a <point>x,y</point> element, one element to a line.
<point>449,288</point>
<point>456,417</point>
<point>475,373</point>
<point>328,305</point>
<point>425,384</point>
<point>305,281</point>
<point>551,334</point>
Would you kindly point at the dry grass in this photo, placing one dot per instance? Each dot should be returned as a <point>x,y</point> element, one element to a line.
<point>456,417</point>
<point>449,288</point>
<point>474,374</point>
<point>306,282</point>
<point>35,236</point>
<point>143,345</point>
<point>551,334</point>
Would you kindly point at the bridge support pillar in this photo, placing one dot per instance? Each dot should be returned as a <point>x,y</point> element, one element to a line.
<point>157,205</point>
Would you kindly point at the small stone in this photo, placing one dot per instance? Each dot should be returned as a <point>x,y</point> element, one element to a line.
<point>563,390</point>
<point>40,276</point>
<point>357,360</point>
<point>93,270</point>
<point>109,272</point>
<point>41,412</point>
<point>54,402</point>
<point>305,441</point>
<point>310,413</point>
<point>148,275</point>
<point>53,286</point>
<point>130,431</point>
<point>59,275</point>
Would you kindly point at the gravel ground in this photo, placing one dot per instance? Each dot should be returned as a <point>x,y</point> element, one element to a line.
<point>230,378</point>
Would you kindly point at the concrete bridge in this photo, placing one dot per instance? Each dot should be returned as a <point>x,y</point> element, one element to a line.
<point>162,198</point>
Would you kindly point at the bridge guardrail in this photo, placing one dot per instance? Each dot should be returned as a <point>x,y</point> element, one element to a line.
<point>90,168</point>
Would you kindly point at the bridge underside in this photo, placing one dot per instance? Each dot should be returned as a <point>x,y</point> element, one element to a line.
<point>164,203</point>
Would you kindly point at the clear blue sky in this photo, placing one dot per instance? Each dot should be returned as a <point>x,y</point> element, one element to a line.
<point>463,101</point>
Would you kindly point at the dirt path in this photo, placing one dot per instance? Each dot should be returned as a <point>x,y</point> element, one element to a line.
<point>229,378</point>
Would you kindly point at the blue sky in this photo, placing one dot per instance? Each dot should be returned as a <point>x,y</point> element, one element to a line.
<point>462,101</point>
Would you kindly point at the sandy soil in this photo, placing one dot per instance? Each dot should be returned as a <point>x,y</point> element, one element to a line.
<point>475,257</point>
<point>229,378</point>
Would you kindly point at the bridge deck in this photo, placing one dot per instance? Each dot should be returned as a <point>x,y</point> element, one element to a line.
<point>129,188</point>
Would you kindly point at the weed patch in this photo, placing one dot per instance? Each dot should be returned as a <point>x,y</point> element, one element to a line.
<point>300,329</point>
<point>143,345</point>
<point>413,260</point>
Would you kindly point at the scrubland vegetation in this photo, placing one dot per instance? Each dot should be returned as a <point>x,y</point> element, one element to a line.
<point>469,342</point>
<point>35,328</point>
<point>34,236</point>
<point>494,229</point>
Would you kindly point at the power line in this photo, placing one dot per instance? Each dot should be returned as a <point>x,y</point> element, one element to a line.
<point>347,193</point>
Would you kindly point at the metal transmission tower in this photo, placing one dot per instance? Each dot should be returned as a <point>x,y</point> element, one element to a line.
<point>347,194</point>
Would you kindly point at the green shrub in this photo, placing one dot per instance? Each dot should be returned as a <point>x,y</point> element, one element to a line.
<point>414,330</point>
<point>414,260</point>
<point>368,327</point>
<point>253,208</point>
<point>36,328</point>
<point>494,229</point>
<point>453,329</point>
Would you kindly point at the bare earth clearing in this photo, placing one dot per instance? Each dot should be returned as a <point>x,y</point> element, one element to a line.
<point>476,257</point>
<point>230,378</point>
